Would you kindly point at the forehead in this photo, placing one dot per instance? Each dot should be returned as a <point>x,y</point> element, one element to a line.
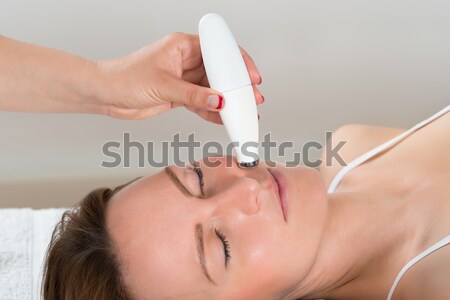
<point>150,221</point>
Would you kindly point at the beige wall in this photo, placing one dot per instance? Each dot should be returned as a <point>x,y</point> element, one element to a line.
<point>324,64</point>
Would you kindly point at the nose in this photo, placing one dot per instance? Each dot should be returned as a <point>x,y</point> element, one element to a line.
<point>242,198</point>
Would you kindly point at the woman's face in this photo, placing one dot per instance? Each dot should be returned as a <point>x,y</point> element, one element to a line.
<point>233,243</point>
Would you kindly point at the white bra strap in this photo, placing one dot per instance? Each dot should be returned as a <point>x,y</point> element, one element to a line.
<point>416,259</point>
<point>362,158</point>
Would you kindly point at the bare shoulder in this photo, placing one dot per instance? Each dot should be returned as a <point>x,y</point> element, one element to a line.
<point>429,278</point>
<point>358,139</point>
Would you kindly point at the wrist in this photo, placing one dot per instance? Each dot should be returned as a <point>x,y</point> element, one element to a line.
<point>82,86</point>
<point>110,88</point>
<point>96,88</point>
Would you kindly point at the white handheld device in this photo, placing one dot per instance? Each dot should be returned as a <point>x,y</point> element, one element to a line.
<point>227,73</point>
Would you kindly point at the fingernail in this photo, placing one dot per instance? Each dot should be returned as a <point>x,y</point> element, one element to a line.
<point>260,79</point>
<point>215,101</point>
<point>258,117</point>
<point>262,99</point>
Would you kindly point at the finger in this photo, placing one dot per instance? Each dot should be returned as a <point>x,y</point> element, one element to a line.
<point>195,76</point>
<point>213,117</point>
<point>258,96</point>
<point>191,55</point>
<point>189,46</point>
<point>255,77</point>
<point>204,81</point>
<point>180,91</point>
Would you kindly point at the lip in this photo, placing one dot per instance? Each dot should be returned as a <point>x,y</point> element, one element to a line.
<point>281,186</point>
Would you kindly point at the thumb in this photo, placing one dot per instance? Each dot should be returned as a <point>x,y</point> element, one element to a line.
<point>193,95</point>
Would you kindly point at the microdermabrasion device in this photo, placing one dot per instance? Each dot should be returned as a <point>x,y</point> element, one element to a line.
<point>227,74</point>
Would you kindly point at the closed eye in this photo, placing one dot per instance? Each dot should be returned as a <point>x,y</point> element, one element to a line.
<point>226,246</point>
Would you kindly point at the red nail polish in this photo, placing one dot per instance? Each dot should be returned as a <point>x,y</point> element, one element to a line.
<point>260,79</point>
<point>220,105</point>
<point>258,117</point>
<point>262,99</point>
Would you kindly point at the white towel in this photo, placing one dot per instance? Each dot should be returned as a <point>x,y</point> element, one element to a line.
<point>24,237</point>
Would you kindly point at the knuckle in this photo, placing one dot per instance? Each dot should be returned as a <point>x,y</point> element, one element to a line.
<point>178,40</point>
<point>175,36</point>
<point>190,96</point>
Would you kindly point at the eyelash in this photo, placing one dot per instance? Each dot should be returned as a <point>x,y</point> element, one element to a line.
<point>226,246</point>
<point>200,177</point>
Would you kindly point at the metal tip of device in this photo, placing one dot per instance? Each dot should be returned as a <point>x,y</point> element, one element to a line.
<point>246,165</point>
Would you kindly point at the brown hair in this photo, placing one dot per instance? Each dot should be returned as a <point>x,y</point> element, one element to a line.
<point>81,262</point>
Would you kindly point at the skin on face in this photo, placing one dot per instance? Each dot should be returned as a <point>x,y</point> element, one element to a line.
<point>155,226</point>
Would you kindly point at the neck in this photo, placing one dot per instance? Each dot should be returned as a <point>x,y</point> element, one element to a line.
<point>365,242</point>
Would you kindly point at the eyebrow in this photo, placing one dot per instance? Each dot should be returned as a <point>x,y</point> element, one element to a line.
<point>201,251</point>
<point>177,182</point>
<point>198,229</point>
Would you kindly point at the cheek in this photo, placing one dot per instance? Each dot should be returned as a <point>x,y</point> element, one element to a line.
<point>266,263</point>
